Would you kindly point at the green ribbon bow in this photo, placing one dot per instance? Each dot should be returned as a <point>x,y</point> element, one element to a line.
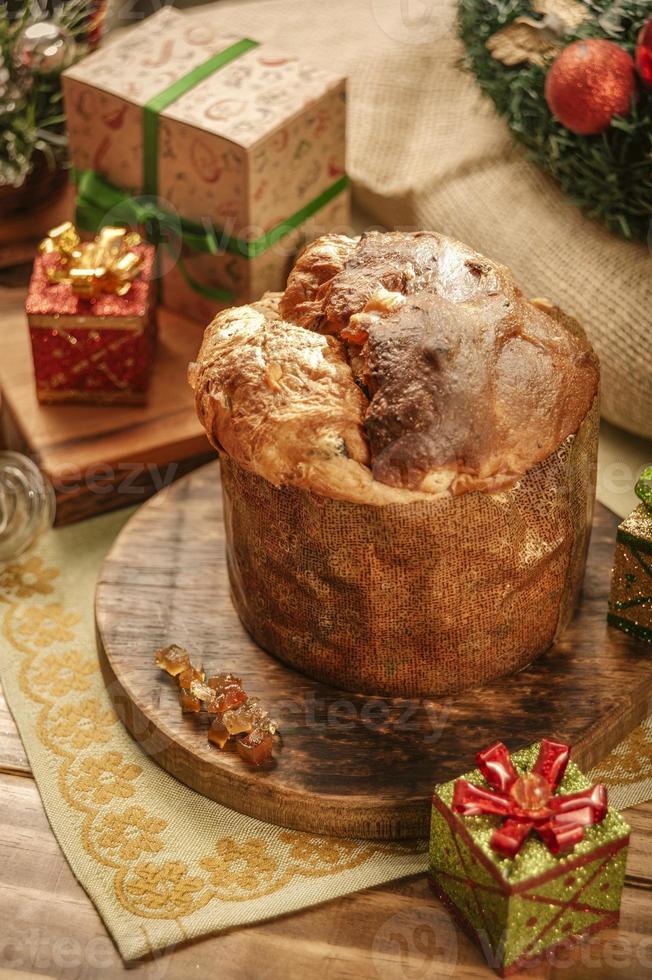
<point>100,203</point>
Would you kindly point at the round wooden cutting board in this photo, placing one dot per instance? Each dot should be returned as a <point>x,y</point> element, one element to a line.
<point>348,765</point>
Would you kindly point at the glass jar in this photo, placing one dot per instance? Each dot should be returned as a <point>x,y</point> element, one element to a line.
<point>27,504</point>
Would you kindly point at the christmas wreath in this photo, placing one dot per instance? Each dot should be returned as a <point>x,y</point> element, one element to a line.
<point>573,79</point>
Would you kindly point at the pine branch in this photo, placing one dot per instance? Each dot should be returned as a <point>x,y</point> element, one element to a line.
<point>31,118</point>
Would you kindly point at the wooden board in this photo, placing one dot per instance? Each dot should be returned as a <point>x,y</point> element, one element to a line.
<point>100,457</point>
<point>349,765</point>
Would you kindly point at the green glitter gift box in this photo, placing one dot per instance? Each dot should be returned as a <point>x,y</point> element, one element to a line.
<point>526,853</point>
<point>630,603</point>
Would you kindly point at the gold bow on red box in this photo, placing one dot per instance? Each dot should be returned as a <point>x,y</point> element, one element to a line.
<point>107,264</point>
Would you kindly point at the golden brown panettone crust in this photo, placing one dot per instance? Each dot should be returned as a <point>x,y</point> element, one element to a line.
<point>277,398</point>
<point>442,377</point>
<point>312,276</point>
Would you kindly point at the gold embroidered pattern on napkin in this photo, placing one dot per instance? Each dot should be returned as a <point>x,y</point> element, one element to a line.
<point>97,781</point>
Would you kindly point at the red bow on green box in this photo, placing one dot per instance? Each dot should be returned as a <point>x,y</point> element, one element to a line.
<point>530,801</point>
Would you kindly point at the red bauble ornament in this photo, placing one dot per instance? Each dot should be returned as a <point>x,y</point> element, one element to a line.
<point>589,83</point>
<point>644,54</point>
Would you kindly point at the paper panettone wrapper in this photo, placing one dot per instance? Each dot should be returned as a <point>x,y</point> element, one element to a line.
<point>412,599</point>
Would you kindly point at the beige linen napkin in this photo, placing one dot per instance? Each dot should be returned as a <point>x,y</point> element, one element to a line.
<point>161,863</point>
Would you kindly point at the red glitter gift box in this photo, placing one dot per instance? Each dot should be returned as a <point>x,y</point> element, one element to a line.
<point>96,347</point>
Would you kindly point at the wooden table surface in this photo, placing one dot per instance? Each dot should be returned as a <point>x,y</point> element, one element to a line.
<point>49,928</point>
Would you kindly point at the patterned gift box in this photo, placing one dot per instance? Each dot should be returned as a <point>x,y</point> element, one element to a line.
<point>630,602</point>
<point>231,150</point>
<point>561,882</point>
<point>98,349</point>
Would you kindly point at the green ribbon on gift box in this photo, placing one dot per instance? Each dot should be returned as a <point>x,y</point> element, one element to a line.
<point>99,202</point>
<point>173,92</point>
<point>96,197</point>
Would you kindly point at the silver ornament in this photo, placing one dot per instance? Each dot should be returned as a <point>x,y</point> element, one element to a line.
<point>10,93</point>
<point>44,48</point>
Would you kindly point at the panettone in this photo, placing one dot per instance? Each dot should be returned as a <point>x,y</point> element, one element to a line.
<point>408,463</point>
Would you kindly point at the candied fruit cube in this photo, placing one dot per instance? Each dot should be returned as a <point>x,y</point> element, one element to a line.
<point>203,692</point>
<point>190,674</point>
<point>261,718</point>
<point>355,333</point>
<point>173,659</point>
<point>188,701</point>
<point>256,747</point>
<point>230,697</point>
<point>218,733</point>
<point>239,720</point>
<point>220,681</point>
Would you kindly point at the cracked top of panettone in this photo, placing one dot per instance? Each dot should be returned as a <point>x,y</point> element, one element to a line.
<point>394,365</point>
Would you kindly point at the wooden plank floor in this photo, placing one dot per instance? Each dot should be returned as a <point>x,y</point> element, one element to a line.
<point>49,928</point>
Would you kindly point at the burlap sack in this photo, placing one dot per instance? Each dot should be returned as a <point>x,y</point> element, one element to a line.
<point>425,150</point>
<point>425,598</point>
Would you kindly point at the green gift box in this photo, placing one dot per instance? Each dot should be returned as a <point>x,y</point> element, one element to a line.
<point>526,854</point>
<point>630,602</point>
